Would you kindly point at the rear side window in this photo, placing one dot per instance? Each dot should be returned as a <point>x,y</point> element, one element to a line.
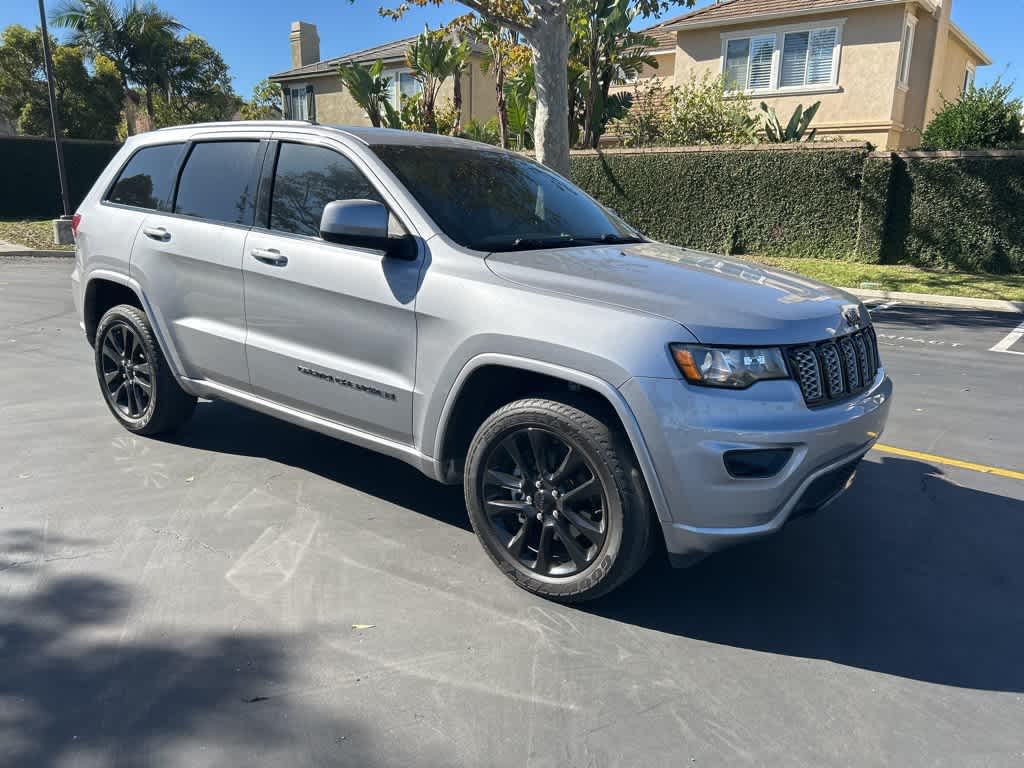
<point>306,179</point>
<point>219,182</point>
<point>148,178</point>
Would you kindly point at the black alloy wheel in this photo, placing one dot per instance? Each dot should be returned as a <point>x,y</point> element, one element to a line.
<point>126,371</point>
<point>544,502</point>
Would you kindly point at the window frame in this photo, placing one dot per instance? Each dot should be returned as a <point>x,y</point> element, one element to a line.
<point>305,90</point>
<point>395,73</point>
<point>970,72</point>
<point>779,32</point>
<point>256,176</point>
<point>265,192</point>
<point>905,61</point>
<point>182,153</point>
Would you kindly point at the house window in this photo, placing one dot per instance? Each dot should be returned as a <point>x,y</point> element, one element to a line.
<point>907,50</point>
<point>299,103</point>
<point>968,78</point>
<point>789,58</point>
<point>403,85</point>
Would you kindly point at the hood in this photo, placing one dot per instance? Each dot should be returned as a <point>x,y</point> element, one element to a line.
<point>719,300</point>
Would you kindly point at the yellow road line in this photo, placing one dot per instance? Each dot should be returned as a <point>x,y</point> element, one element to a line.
<point>950,462</point>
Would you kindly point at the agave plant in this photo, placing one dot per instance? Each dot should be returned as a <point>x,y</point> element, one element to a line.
<point>796,128</point>
<point>370,89</point>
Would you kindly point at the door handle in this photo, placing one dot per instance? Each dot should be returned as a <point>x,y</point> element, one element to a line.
<point>270,256</point>
<point>157,233</point>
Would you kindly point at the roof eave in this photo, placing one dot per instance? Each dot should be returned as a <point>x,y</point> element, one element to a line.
<point>853,5</point>
<point>972,46</point>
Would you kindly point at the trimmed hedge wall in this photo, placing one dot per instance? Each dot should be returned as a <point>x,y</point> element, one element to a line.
<point>29,187</point>
<point>772,202</point>
<point>942,210</point>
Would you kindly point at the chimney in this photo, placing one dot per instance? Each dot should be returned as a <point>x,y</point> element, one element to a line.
<point>305,44</point>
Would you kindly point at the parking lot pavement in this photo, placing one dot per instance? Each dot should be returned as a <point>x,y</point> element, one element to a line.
<point>248,593</point>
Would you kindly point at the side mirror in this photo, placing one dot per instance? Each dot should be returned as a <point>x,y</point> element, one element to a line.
<point>364,224</point>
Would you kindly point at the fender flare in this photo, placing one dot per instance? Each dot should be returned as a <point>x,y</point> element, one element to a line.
<point>598,385</point>
<point>170,353</point>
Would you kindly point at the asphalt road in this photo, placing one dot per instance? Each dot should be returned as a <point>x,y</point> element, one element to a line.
<point>249,593</point>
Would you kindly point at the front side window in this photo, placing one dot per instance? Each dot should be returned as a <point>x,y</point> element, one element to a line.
<point>148,178</point>
<point>306,179</point>
<point>778,60</point>
<point>219,182</point>
<point>495,201</point>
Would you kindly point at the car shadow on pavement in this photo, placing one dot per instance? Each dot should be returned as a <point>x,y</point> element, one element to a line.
<point>79,686</point>
<point>908,574</point>
<point>228,428</point>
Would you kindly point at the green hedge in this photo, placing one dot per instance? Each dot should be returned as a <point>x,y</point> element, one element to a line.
<point>966,213</point>
<point>933,210</point>
<point>30,187</point>
<point>771,202</point>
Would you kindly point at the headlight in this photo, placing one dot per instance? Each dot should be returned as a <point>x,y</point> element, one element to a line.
<point>732,368</point>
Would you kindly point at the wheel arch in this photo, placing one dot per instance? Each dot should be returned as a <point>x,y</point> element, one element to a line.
<point>489,381</point>
<point>105,289</point>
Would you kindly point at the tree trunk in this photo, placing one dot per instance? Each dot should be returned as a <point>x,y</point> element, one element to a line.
<point>548,38</point>
<point>457,103</point>
<point>593,64</point>
<point>150,109</point>
<point>499,92</point>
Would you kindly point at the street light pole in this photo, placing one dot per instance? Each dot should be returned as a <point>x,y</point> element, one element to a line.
<point>54,115</point>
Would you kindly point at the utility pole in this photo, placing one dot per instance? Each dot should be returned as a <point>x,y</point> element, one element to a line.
<point>54,115</point>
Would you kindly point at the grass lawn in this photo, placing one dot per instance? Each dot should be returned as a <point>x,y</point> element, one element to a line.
<point>32,234</point>
<point>901,277</point>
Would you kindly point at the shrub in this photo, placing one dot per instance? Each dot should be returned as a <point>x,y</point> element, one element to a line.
<point>982,118</point>
<point>699,112</point>
<point>643,123</point>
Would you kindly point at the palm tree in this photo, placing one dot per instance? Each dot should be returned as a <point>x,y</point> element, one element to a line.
<point>370,90</point>
<point>138,38</point>
<point>458,61</point>
<point>430,58</point>
<point>504,57</point>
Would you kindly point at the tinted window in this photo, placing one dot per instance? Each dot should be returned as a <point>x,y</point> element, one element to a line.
<point>147,179</point>
<point>307,178</point>
<point>219,182</point>
<point>492,201</point>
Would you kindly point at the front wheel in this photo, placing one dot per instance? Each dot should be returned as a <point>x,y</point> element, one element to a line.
<point>555,498</point>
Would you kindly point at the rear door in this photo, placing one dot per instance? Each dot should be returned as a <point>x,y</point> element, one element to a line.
<point>331,328</point>
<point>189,259</point>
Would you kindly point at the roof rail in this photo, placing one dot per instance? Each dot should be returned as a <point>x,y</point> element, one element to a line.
<point>228,123</point>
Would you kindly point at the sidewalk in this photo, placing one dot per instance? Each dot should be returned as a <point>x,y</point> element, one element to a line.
<point>13,249</point>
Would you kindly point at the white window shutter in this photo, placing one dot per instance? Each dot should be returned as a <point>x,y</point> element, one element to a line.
<point>794,59</point>
<point>822,54</point>
<point>762,52</point>
<point>737,58</point>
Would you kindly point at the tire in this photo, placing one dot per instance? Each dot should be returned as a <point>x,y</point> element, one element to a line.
<point>135,380</point>
<point>513,515</point>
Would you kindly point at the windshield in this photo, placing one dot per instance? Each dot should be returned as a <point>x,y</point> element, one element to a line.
<point>494,201</point>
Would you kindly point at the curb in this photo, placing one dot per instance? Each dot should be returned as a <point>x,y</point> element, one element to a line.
<point>936,300</point>
<point>34,253</point>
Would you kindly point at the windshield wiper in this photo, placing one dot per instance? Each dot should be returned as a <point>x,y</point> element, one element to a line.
<point>610,238</point>
<point>535,242</point>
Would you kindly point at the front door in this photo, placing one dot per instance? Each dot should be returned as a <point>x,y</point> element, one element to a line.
<point>331,329</point>
<point>190,259</point>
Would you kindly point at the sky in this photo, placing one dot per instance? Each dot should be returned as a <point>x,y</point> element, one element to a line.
<point>252,35</point>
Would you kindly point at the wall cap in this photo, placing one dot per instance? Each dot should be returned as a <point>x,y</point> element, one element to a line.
<point>921,154</point>
<point>793,147</point>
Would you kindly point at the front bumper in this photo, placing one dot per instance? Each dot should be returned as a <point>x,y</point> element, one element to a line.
<point>689,429</point>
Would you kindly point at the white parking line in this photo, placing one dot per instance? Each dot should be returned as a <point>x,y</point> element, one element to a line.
<point>883,307</point>
<point>1009,340</point>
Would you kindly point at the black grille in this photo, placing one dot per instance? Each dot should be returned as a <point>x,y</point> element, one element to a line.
<point>834,370</point>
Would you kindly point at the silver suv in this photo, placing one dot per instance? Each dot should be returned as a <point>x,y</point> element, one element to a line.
<point>470,312</point>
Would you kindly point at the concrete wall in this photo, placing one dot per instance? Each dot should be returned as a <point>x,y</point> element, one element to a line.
<point>860,108</point>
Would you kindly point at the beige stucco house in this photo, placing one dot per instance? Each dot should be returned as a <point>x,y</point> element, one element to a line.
<point>881,68</point>
<point>313,90</point>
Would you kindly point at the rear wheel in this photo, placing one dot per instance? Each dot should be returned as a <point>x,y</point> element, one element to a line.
<point>555,498</point>
<point>136,382</point>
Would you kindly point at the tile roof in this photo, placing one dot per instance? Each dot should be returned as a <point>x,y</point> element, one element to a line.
<point>726,11</point>
<point>385,51</point>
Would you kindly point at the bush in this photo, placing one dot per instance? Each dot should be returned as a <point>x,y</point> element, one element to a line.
<point>700,113</point>
<point>982,118</point>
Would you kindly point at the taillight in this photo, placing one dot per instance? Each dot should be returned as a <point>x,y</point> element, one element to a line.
<point>75,221</point>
